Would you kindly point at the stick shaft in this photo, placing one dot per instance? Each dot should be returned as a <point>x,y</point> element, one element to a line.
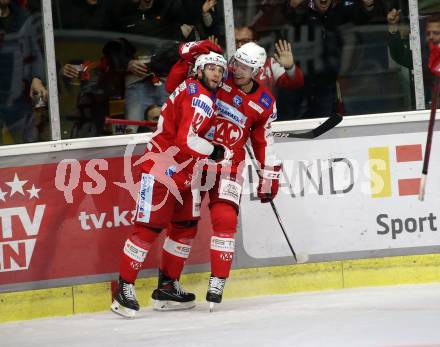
<point>435,90</point>
<point>431,126</point>
<point>274,209</point>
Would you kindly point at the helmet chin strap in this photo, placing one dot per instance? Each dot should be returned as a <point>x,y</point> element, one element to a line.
<point>255,71</point>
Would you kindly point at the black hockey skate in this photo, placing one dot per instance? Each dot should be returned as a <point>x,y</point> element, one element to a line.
<point>169,295</point>
<point>125,302</point>
<point>215,291</point>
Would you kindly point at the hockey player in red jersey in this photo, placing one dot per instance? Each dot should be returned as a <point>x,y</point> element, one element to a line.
<point>165,197</point>
<point>245,111</point>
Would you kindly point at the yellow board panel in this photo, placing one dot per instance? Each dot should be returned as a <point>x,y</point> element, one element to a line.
<point>392,270</point>
<point>91,297</point>
<point>242,283</point>
<point>36,304</point>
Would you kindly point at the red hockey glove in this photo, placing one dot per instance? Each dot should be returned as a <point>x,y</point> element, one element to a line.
<point>434,59</point>
<point>192,49</point>
<point>268,184</point>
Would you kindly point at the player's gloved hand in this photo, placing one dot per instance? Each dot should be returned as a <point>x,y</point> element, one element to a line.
<point>220,154</point>
<point>268,183</point>
<point>192,49</point>
<point>434,59</point>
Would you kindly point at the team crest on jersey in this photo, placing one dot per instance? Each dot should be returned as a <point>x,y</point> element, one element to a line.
<point>227,133</point>
<point>265,100</point>
<point>237,101</point>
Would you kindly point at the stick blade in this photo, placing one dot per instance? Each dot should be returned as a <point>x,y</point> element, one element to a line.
<point>422,187</point>
<point>330,123</point>
<point>302,258</point>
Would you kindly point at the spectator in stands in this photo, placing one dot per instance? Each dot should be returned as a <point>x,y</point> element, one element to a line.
<point>21,72</point>
<point>279,71</point>
<point>205,23</point>
<point>152,114</point>
<point>400,51</point>
<point>153,18</point>
<point>97,78</point>
<point>83,68</point>
<point>83,14</point>
<point>159,24</point>
<point>323,18</point>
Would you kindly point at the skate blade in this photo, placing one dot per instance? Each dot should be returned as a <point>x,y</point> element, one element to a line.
<point>169,305</point>
<point>122,311</point>
<point>211,306</point>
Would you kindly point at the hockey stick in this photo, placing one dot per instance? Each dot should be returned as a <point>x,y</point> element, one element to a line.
<point>109,120</point>
<point>275,211</point>
<point>329,123</point>
<point>435,90</point>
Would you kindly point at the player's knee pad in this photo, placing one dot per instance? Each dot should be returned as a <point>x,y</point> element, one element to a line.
<point>224,219</point>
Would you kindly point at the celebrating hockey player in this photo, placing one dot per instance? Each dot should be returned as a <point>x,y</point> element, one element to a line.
<point>245,110</point>
<point>165,197</point>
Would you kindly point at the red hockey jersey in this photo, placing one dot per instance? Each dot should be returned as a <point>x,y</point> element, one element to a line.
<point>186,116</point>
<point>241,116</point>
<point>274,75</point>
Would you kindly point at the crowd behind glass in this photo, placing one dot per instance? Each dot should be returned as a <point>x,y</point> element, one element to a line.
<point>113,56</point>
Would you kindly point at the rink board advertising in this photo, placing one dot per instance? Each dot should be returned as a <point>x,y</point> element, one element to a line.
<point>69,219</point>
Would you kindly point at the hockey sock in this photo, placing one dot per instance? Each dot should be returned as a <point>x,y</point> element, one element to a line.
<point>224,222</point>
<point>135,251</point>
<point>177,247</point>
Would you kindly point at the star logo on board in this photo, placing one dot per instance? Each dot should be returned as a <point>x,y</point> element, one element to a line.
<point>2,195</point>
<point>33,192</point>
<point>19,186</point>
<point>16,185</point>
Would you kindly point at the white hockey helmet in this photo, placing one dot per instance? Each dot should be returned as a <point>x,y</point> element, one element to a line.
<point>252,55</point>
<point>210,58</point>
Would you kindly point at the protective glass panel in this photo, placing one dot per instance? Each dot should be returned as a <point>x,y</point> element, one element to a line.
<point>429,17</point>
<point>23,94</point>
<point>342,49</point>
<point>114,55</point>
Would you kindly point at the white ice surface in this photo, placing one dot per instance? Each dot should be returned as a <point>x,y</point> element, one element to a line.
<point>395,316</point>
